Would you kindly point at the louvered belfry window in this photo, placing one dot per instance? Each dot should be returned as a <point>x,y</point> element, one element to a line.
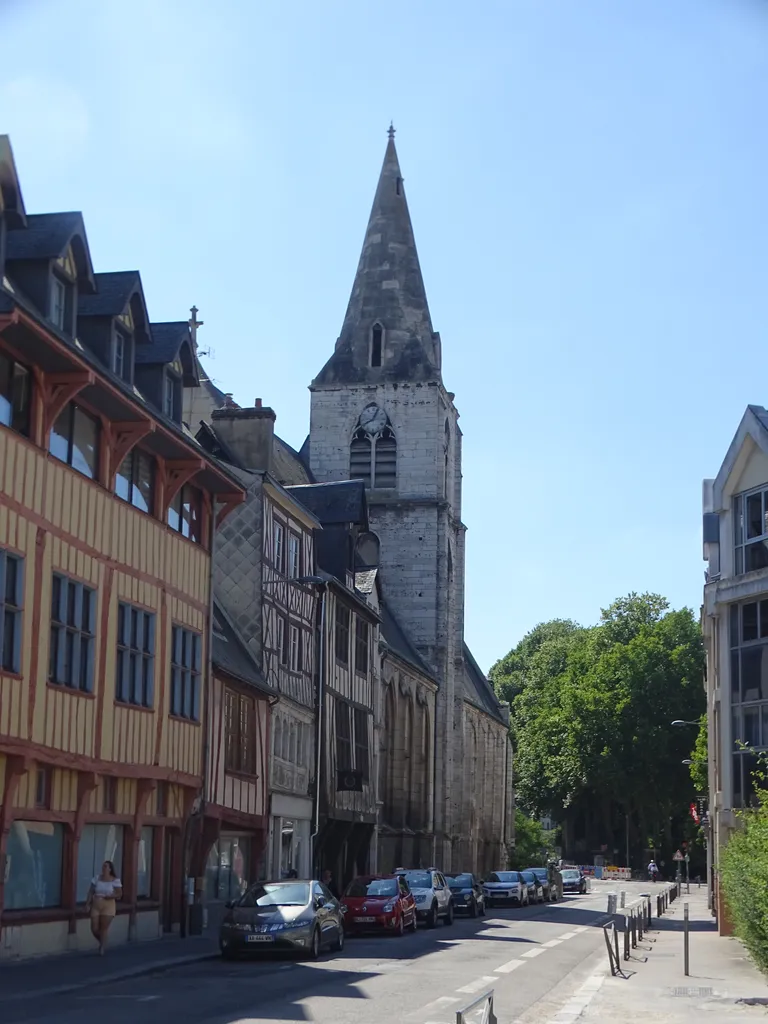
<point>373,451</point>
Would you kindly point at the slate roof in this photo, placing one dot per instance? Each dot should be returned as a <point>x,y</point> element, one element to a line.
<point>288,466</point>
<point>166,342</point>
<point>477,688</point>
<point>112,293</point>
<point>338,501</point>
<point>230,653</point>
<point>45,237</point>
<point>761,415</point>
<point>395,638</point>
<point>365,581</point>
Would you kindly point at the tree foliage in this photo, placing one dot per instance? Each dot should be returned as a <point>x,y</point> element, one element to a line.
<point>744,878</point>
<point>532,843</point>
<point>698,769</point>
<point>591,713</point>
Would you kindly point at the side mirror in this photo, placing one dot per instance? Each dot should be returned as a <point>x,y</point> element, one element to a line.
<point>319,901</point>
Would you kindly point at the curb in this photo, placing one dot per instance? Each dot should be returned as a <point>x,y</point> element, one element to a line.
<point>122,975</point>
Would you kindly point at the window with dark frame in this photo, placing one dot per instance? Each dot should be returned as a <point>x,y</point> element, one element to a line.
<point>362,750</point>
<point>377,338</point>
<point>73,619</point>
<point>11,605</point>
<point>185,673</point>
<point>294,555</point>
<point>281,639</point>
<point>43,787</point>
<point>75,440</point>
<point>58,302</point>
<point>135,480</point>
<point>240,737</point>
<point>135,679</point>
<point>15,395</point>
<point>110,794</point>
<point>750,530</point>
<point>185,513</point>
<point>361,645</point>
<point>342,633</point>
<point>118,354</point>
<point>278,550</point>
<point>343,736</point>
<point>294,655</point>
<point>169,395</point>
<point>749,694</point>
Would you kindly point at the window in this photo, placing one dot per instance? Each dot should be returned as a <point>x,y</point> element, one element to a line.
<point>385,462</point>
<point>135,480</point>
<point>75,440</point>
<point>33,865</point>
<point>280,639</point>
<point>161,799</point>
<point>169,395</point>
<point>135,681</point>
<point>749,693</point>
<point>97,844</point>
<point>295,650</point>
<point>278,551</point>
<point>373,452</point>
<point>185,513</point>
<point>15,394</point>
<point>58,302</point>
<point>185,674</point>
<point>360,457</point>
<point>240,734</point>
<point>294,556</point>
<point>377,337</point>
<point>342,633</point>
<point>750,531</point>
<point>11,598</point>
<point>43,786</point>
<point>362,759</point>
<point>109,794</point>
<point>144,864</point>
<point>118,355</point>
<point>343,736</point>
<point>361,646</point>
<point>73,616</point>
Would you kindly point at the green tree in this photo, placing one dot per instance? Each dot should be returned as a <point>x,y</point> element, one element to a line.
<point>699,756</point>
<point>532,843</point>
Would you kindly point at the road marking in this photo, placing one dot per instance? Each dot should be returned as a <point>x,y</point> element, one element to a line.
<point>581,928</point>
<point>475,986</point>
<point>569,935</point>
<point>534,952</point>
<point>437,1004</point>
<point>509,966</point>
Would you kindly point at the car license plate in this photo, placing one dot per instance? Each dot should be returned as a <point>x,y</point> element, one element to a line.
<point>260,938</point>
<point>364,920</point>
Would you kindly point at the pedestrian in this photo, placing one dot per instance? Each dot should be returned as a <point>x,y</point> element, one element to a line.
<point>329,883</point>
<point>105,889</point>
<point>653,871</point>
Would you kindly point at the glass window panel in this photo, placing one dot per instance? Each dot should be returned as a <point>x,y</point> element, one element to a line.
<point>750,766</point>
<point>85,440</point>
<point>736,730</point>
<point>754,674</point>
<point>739,561</point>
<point>144,482</point>
<point>735,680</point>
<point>755,515</point>
<point>174,513</point>
<point>186,514</point>
<point>33,865</point>
<point>123,478</point>
<point>756,556</point>
<point>58,444</point>
<point>750,726</point>
<point>763,618</point>
<point>734,625</point>
<point>97,844</point>
<point>144,863</point>
<point>6,390</point>
<point>749,621</point>
<point>738,532</point>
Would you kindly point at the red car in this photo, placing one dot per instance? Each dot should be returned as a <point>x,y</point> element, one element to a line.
<point>378,903</point>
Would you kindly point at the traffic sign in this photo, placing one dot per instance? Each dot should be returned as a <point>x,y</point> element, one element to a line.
<point>678,856</point>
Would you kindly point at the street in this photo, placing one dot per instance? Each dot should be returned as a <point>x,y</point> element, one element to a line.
<point>420,979</point>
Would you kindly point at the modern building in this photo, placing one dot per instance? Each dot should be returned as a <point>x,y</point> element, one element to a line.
<point>107,511</point>
<point>735,622</point>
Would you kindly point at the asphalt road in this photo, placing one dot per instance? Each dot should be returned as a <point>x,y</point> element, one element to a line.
<point>529,957</point>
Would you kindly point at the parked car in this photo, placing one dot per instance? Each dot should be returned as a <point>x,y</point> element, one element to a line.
<point>535,888</point>
<point>551,882</point>
<point>467,894</point>
<point>379,903</point>
<point>298,916</point>
<point>432,895</point>
<point>573,880</point>
<point>505,887</point>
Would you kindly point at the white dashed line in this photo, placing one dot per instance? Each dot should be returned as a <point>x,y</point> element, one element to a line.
<point>534,952</point>
<point>568,935</point>
<point>551,943</point>
<point>437,1004</point>
<point>476,985</point>
<point>581,928</point>
<point>509,966</point>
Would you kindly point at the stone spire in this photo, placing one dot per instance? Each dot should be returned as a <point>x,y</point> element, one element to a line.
<point>387,332</point>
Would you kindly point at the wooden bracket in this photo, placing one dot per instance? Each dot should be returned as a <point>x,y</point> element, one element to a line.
<point>227,502</point>
<point>58,390</point>
<point>124,437</point>
<point>177,473</point>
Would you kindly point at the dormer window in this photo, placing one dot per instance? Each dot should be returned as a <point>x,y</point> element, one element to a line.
<point>67,264</point>
<point>377,343</point>
<point>169,395</point>
<point>58,302</point>
<point>118,355</point>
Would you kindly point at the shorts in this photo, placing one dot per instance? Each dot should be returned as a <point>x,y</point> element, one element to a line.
<point>102,907</point>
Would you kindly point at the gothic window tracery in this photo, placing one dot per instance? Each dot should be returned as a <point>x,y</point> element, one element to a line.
<point>373,450</point>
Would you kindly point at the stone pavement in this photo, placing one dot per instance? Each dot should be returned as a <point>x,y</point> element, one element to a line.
<point>53,975</point>
<point>655,989</point>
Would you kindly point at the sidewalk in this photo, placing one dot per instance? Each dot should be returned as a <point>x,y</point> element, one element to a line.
<point>658,992</point>
<point>54,975</point>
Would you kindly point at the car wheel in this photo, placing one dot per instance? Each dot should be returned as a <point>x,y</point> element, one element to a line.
<point>315,945</point>
<point>227,954</point>
<point>415,921</point>
<point>432,917</point>
<point>339,943</point>
<point>401,926</point>
<point>473,909</point>
<point>449,915</point>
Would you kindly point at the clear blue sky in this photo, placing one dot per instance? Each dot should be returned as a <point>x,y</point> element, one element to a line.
<point>588,188</point>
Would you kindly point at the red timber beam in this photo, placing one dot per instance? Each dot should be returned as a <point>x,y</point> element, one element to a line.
<point>58,390</point>
<point>226,503</point>
<point>123,438</point>
<point>174,473</point>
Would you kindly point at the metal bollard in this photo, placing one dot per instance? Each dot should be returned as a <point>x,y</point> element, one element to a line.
<point>611,902</point>
<point>626,938</point>
<point>685,938</point>
<point>623,898</point>
<point>633,923</point>
<point>640,923</point>
<point>659,911</point>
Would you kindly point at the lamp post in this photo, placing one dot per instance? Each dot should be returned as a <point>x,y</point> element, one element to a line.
<point>688,761</point>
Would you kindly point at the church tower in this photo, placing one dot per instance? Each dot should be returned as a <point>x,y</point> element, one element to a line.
<point>380,412</point>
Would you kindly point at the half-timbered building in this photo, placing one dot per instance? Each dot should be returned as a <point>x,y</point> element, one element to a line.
<point>264,552</point>
<point>107,509</point>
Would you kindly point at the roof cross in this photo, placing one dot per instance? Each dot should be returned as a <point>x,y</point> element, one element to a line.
<point>391,130</point>
<point>194,323</point>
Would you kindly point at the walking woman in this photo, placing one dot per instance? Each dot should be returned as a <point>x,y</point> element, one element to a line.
<point>106,888</point>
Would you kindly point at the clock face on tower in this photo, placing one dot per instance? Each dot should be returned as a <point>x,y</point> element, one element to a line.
<point>373,419</point>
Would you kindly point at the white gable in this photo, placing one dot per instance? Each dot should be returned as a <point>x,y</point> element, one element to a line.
<point>746,464</point>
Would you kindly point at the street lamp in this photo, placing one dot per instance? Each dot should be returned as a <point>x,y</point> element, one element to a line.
<point>681,721</point>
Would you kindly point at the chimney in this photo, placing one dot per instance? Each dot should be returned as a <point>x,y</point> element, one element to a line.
<point>248,433</point>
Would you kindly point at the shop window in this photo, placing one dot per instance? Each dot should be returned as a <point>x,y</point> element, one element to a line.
<point>33,865</point>
<point>227,872</point>
<point>97,844</point>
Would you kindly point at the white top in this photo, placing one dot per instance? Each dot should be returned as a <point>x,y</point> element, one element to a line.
<point>106,890</point>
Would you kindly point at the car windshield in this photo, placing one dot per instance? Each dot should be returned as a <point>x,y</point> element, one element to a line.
<point>419,879</point>
<point>541,873</point>
<point>375,887</point>
<point>572,876</point>
<point>459,881</point>
<point>276,894</point>
<point>504,876</point>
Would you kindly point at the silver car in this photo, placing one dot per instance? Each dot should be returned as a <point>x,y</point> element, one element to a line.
<point>294,915</point>
<point>505,887</point>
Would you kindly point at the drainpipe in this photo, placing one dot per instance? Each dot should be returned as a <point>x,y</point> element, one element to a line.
<point>319,725</point>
